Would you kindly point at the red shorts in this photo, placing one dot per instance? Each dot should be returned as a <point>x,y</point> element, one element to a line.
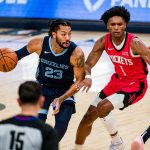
<point>133,89</point>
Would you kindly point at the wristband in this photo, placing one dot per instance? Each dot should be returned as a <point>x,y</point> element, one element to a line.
<point>22,52</point>
<point>88,76</point>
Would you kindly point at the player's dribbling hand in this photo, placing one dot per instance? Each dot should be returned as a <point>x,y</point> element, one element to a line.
<point>56,105</point>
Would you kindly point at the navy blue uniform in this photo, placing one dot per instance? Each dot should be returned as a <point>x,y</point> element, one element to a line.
<point>27,132</point>
<point>56,75</point>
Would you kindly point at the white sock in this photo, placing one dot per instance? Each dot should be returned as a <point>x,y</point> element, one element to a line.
<point>110,123</point>
<point>78,147</point>
<point>115,138</point>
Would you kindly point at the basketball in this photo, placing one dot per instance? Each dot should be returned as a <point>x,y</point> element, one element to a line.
<point>8,59</point>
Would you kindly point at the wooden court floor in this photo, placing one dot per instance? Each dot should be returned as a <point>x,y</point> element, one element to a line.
<point>131,121</point>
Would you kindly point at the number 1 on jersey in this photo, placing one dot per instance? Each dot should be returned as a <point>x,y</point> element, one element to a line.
<point>123,71</point>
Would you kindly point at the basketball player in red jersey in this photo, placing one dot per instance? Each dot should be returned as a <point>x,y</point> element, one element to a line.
<point>127,85</point>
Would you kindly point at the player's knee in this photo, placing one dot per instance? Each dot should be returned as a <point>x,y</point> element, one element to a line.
<point>87,119</point>
<point>104,108</point>
<point>43,117</point>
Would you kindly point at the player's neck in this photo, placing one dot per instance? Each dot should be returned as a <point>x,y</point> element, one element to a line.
<point>29,110</point>
<point>119,40</point>
<point>55,47</point>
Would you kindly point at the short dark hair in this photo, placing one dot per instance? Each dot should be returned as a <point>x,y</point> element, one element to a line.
<point>116,11</point>
<point>30,92</point>
<point>55,25</point>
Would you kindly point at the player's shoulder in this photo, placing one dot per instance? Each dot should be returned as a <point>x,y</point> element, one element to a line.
<point>35,45</point>
<point>135,40</point>
<point>100,43</point>
<point>102,39</point>
<point>37,40</point>
<point>8,120</point>
<point>78,52</point>
<point>72,46</point>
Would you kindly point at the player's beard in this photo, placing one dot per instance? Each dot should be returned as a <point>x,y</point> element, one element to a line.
<point>61,44</point>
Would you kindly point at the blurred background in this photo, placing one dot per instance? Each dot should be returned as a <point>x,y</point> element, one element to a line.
<point>84,14</point>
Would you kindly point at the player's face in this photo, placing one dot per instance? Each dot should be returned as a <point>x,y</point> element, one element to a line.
<point>116,26</point>
<point>63,36</point>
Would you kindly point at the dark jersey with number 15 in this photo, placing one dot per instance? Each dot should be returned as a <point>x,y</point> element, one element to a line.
<point>55,70</point>
<point>27,133</point>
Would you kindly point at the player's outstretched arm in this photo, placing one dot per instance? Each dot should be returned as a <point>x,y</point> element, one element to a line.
<point>35,45</point>
<point>92,59</point>
<point>139,48</point>
<point>77,61</point>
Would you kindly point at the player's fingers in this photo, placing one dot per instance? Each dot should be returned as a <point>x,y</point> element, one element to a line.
<point>87,89</point>
<point>83,88</point>
<point>53,102</point>
<point>56,111</point>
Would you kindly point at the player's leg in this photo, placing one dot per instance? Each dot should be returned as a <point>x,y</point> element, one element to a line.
<point>110,124</point>
<point>138,142</point>
<point>126,96</point>
<point>104,109</point>
<point>146,135</point>
<point>43,112</point>
<point>91,115</point>
<point>85,127</point>
<point>63,117</point>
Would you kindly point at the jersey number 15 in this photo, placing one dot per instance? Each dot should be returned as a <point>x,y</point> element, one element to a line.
<point>16,140</point>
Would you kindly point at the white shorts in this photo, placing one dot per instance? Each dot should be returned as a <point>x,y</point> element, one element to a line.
<point>115,99</point>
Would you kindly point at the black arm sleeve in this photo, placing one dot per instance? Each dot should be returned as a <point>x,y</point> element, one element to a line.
<point>22,52</point>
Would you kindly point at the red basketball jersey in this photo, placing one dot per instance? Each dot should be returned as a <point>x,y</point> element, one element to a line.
<point>125,63</point>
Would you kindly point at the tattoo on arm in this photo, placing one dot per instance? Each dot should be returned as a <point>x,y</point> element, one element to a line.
<point>137,42</point>
<point>80,61</point>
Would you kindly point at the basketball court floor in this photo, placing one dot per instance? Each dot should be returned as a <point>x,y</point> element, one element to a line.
<point>131,121</point>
